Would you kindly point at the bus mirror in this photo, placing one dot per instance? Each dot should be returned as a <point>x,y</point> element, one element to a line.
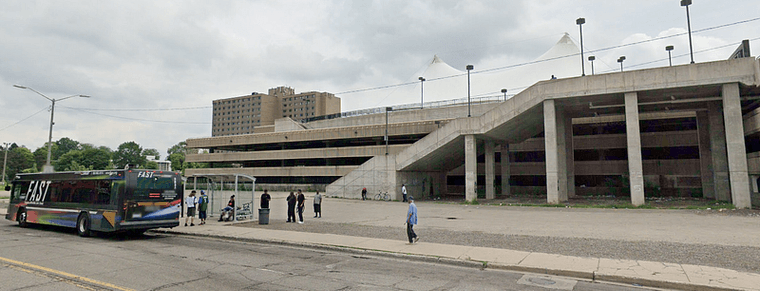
<point>7,187</point>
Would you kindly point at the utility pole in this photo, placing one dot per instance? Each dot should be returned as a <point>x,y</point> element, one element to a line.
<point>5,160</point>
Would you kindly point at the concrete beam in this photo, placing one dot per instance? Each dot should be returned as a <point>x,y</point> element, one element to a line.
<point>490,164</point>
<point>718,149</point>
<point>737,152</point>
<point>556,157</point>
<point>505,170</point>
<point>705,158</point>
<point>471,167</point>
<point>633,137</point>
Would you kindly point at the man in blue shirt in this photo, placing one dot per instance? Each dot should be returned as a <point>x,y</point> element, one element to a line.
<point>411,220</point>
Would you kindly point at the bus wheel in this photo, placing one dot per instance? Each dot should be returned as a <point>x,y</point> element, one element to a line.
<point>83,225</point>
<point>21,217</point>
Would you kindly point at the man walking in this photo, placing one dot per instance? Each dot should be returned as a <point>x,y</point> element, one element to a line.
<point>317,205</point>
<point>202,207</point>
<point>291,207</point>
<point>301,204</point>
<point>403,191</point>
<point>411,220</point>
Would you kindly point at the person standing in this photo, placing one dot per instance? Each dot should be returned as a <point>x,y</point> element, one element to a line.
<point>301,204</point>
<point>403,191</point>
<point>317,205</point>
<point>202,207</point>
<point>364,193</point>
<point>411,220</point>
<point>190,202</point>
<point>265,200</point>
<point>291,207</point>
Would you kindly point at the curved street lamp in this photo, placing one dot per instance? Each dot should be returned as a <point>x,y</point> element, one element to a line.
<point>422,91</point>
<point>686,4</point>
<point>48,167</point>
<point>580,22</point>
<point>669,48</point>
<point>620,60</point>
<point>469,68</point>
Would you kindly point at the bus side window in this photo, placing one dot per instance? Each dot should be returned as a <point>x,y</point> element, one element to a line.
<point>117,190</point>
<point>104,193</point>
<point>19,191</point>
<point>53,192</point>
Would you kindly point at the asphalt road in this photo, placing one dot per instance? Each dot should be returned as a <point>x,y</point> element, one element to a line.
<point>46,258</point>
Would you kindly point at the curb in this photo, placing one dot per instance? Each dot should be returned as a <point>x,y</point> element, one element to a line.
<point>590,276</point>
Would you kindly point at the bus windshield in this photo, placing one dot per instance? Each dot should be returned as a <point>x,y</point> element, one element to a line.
<point>155,188</point>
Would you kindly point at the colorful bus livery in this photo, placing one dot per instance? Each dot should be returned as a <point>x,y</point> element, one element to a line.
<point>103,201</point>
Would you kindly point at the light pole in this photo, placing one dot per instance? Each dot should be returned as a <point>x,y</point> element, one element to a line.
<point>686,4</point>
<point>505,93</point>
<point>591,59</point>
<point>469,68</point>
<point>48,167</point>
<point>620,60</point>
<point>580,22</point>
<point>387,109</point>
<point>422,91</point>
<point>669,48</point>
<point>5,160</point>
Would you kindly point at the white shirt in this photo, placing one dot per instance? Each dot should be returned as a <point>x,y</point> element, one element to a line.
<point>190,201</point>
<point>403,189</point>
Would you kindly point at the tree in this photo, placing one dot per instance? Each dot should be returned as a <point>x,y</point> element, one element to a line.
<point>40,157</point>
<point>96,158</point>
<point>152,165</point>
<point>152,152</point>
<point>128,153</point>
<point>180,148</point>
<point>178,161</point>
<point>65,145</point>
<point>20,159</point>
<point>68,161</point>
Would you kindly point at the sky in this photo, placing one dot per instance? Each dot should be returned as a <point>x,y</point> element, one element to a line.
<point>152,68</point>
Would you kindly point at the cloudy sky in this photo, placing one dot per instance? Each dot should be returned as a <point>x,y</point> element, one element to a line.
<point>153,67</point>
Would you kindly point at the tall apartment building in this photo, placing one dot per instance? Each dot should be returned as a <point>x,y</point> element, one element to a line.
<point>257,112</point>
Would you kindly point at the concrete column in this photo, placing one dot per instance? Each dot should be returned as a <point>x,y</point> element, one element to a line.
<point>505,172</point>
<point>556,160</point>
<point>470,167</point>
<point>490,168</point>
<point>442,178</point>
<point>705,157</point>
<point>633,137</point>
<point>569,156</point>
<point>719,153</point>
<point>737,152</point>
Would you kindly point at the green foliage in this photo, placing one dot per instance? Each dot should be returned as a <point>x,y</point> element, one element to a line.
<point>19,159</point>
<point>128,153</point>
<point>152,165</point>
<point>152,152</point>
<point>63,146</point>
<point>40,157</point>
<point>179,148</point>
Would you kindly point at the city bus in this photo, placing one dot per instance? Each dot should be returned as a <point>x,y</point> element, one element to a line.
<point>130,200</point>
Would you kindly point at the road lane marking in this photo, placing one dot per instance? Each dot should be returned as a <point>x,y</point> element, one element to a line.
<point>64,274</point>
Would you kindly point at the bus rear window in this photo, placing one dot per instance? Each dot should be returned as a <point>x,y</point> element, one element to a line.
<point>155,188</point>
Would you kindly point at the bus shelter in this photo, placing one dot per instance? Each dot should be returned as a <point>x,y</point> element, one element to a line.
<point>220,187</point>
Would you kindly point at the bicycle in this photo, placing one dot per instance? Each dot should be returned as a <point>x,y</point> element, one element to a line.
<point>383,196</point>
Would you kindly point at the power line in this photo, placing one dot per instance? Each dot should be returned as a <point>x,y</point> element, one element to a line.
<point>30,116</point>
<point>551,59</point>
<point>139,109</point>
<point>139,119</point>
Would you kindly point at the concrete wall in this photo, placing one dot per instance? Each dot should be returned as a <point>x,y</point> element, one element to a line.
<point>377,174</point>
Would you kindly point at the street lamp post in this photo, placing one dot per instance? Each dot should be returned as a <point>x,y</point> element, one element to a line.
<point>5,160</point>
<point>580,22</point>
<point>48,167</point>
<point>669,48</point>
<point>591,59</point>
<point>387,109</point>
<point>505,93</point>
<point>469,68</point>
<point>422,92</point>
<point>620,60</point>
<point>686,4</point>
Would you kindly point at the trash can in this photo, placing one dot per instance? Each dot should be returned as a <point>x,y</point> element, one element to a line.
<point>263,215</point>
